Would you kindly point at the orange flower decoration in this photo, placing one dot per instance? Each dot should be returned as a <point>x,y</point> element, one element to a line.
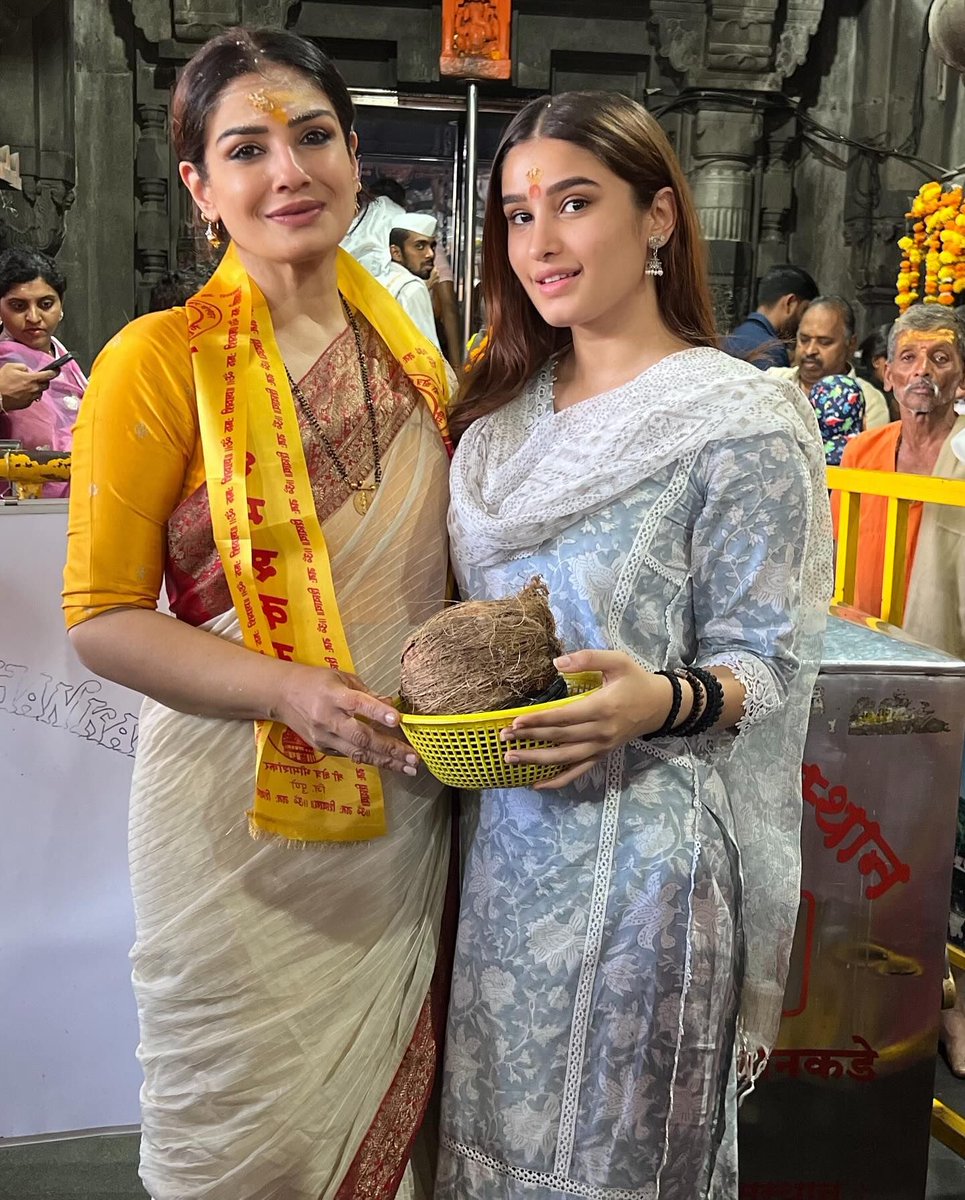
<point>937,240</point>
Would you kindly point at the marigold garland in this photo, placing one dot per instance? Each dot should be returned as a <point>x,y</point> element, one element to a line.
<point>937,240</point>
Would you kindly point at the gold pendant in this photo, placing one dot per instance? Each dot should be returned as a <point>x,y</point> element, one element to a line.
<point>363,499</point>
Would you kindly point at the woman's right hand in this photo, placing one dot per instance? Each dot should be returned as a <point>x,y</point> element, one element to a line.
<point>196,672</point>
<point>334,711</point>
<point>20,387</point>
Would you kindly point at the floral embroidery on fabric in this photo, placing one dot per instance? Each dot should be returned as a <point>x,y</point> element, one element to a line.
<point>608,944</point>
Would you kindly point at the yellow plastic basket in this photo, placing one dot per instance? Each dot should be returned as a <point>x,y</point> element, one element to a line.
<point>465,751</point>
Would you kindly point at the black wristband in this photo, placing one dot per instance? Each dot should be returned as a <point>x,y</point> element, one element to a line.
<point>713,703</point>
<point>699,707</point>
<point>668,725</point>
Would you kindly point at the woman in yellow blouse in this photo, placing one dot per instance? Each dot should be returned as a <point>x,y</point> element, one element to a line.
<point>275,452</point>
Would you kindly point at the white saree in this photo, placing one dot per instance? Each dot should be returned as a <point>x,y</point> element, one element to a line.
<point>278,989</point>
<point>624,942</point>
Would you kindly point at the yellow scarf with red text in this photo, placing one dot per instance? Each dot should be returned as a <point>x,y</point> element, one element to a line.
<point>269,537</point>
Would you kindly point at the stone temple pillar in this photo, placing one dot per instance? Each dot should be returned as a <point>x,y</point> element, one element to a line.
<point>724,152</point>
<point>725,54</point>
<point>777,193</point>
<point>35,68</point>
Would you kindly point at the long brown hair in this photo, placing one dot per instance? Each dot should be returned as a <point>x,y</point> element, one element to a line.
<point>629,142</point>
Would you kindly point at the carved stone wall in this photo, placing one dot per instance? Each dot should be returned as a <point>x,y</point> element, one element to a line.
<point>729,44</point>
<point>18,14</point>
<point>735,153</point>
<point>866,73</point>
<point>165,33</point>
<point>777,192</point>
<point>96,253</point>
<point>93,77</point>
<point>562,53</point>
<point>35,69</point>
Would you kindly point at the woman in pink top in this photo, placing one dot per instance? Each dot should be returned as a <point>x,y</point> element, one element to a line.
<point>31,309</point>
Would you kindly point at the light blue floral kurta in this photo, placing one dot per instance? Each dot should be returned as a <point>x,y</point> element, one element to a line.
<point>600,950</point>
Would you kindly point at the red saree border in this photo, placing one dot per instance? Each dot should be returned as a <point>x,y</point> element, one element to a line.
<point>380,1162</point>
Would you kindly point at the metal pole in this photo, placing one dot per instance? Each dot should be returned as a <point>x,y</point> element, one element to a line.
<point>469,209</point>
<point>455,240</point>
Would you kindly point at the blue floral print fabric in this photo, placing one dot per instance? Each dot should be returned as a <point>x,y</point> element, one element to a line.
<point>839,406</point>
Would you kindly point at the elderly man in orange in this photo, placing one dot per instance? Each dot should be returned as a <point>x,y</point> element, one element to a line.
<point>925,367</point>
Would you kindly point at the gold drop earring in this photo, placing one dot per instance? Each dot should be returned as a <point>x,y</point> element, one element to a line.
<point>211,232</point>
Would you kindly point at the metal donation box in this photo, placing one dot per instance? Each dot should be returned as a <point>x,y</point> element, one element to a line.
<point>844,1107</point>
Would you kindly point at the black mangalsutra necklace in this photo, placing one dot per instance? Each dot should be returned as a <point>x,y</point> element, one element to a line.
<point>362,493</point>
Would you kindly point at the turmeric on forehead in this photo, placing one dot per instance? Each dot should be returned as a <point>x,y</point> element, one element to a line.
<point>272,104</point>
<point>282,95</point>
<point>910,337</point>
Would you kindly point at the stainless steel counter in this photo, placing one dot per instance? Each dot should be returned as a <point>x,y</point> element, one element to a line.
<point>843,1110</point>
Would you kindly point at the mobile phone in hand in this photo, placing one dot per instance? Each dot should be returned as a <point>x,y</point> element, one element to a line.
<point>59,362</point>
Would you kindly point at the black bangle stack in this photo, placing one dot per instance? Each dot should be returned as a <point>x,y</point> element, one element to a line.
<point>697,708</point>
<point>667,726</point>
<point>706,715</point>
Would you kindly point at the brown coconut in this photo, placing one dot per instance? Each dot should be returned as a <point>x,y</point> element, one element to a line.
<point>482,655</point>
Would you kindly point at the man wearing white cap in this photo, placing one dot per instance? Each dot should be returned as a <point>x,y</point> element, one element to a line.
<point>412,245</point>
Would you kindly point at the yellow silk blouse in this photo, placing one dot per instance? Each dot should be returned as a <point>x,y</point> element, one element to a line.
<point>136,456</point>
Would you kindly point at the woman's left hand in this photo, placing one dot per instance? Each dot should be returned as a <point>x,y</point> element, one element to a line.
<point>632,702</point>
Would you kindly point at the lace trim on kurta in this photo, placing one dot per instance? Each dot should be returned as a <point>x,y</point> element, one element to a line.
<point>561,1183</point>
<point>602,883</point>
<point>510,499</point>
<point>761,697</point>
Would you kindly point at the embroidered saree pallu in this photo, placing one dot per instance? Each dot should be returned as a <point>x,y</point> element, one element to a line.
<point>269,537</point>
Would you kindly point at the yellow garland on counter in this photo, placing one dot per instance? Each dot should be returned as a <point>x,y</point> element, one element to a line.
<point>937,244</point>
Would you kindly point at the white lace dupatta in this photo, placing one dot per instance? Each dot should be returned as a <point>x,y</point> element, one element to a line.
<point>518,481</point>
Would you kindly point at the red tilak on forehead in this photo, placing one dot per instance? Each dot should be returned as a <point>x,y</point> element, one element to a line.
<point>534,175</point>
